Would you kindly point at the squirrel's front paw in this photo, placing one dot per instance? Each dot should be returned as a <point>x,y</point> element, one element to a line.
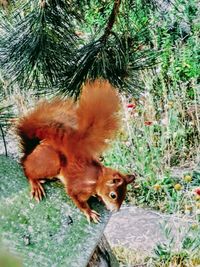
<point>92,215</point>
<point>37,190</point>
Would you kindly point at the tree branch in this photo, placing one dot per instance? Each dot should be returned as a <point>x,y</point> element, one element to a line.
<point>111,20</point>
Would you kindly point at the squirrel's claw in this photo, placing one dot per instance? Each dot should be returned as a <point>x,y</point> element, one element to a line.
<point>37,191</point>
<point>93,216</point>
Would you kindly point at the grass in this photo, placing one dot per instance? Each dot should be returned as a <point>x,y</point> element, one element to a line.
<point>129,257</point>
<point>154,140</point>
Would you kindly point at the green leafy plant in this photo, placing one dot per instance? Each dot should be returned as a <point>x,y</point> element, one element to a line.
<point>184,254</point>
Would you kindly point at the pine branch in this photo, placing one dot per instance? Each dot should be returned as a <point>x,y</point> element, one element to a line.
<point>112,56</point>
<point>111,20</point>
<point>86,59</point>
<point>41,48</point>
<point>37,48</point>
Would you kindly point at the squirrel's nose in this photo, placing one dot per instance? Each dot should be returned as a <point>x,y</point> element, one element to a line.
<point>115,209</point>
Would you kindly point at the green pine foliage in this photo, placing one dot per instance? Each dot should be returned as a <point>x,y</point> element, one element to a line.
<point>38,38</point>
<point>41,44</point>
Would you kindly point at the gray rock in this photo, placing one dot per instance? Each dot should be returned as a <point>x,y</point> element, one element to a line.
<point>141,229</point>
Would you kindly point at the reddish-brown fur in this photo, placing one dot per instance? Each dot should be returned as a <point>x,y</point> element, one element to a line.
<point>64,139</point>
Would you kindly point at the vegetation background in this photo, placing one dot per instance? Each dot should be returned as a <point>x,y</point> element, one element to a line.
<point>149,49</point>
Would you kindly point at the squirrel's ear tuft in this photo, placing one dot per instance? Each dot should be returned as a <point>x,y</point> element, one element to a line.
<point>130,178</point>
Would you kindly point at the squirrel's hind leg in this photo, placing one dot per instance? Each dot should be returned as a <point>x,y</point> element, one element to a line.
<point>43,163</point>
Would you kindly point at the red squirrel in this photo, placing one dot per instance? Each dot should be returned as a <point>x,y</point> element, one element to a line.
<point>64,139</point>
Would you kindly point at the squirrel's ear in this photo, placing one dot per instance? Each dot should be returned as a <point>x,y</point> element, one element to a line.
<point>115,181</point>
<point>130,178</point>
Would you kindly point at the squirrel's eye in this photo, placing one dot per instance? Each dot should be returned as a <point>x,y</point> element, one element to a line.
<point>113,195</point>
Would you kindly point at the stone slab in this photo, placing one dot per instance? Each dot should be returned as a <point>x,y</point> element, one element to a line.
<point>53,233</point>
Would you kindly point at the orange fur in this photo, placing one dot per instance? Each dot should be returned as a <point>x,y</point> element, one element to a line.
<point>97,117</point>
<point>49,120</point>
<point>64,139</point>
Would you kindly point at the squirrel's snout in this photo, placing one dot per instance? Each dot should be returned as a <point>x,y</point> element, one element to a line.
<point>111,207</point>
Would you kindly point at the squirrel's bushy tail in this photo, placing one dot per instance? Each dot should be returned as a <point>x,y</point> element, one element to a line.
<point>49,120</point>
<point>81,129</point>
<point>97,117</point>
